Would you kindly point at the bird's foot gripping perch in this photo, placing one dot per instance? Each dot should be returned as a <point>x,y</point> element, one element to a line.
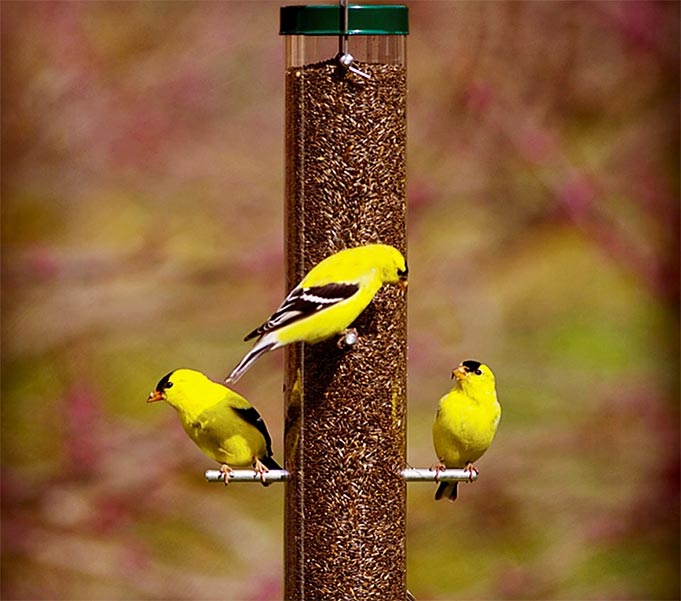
<point>347,338</point>
<point>261,469</point>
<point>472,471</point>
<point>437,468</point>
<point>226,470</point>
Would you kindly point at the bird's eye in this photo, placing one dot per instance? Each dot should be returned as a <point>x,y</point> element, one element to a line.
<point>169,385</point>
<point>478,372</point>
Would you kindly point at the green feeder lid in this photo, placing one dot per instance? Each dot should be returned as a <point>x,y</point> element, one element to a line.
<point>363,19</point>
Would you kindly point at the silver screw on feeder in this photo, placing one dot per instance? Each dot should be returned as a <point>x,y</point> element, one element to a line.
<point>345,59</point>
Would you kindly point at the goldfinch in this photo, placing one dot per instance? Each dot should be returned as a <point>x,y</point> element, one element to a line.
<point>328,299</point>
<point>466,421</point>
<point>222,423</point>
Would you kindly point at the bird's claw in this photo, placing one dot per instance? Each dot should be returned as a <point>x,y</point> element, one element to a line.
<point>226,470</point>
<point>471,469</point>
<point>437,468</point>
<point>260,469</point>
<point>347,338</point>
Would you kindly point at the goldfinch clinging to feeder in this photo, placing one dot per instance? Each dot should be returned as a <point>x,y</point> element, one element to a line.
<point>466,421</point>
<point>222,423</point>
<point>328,299</point>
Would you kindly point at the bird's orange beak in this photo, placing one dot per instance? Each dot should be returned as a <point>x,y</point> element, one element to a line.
<point>156,395</point>
<point>459,373</point>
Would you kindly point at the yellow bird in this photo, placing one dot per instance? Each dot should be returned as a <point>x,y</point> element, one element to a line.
<point>328,299</point>
<point>222,423</point>
<point>466,421</point>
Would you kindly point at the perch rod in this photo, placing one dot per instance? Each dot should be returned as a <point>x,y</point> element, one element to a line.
<point>409,475</point>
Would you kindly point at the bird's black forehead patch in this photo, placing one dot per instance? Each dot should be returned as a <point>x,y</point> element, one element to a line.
<point>163,382</point>
<point>471,365</point>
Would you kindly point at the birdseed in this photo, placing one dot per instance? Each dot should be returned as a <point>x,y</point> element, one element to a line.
<point>345,408</point>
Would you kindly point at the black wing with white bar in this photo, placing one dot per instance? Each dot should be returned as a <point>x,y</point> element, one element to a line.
<point>302,302</point>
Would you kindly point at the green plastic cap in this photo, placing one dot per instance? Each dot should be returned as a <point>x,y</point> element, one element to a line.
<point>363,19</point>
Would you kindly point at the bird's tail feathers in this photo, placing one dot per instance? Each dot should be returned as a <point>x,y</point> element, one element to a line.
<point>251,357</point>
<point>447,489</point>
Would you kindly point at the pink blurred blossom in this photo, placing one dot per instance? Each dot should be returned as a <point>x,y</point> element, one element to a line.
<point>111,512</point>
<point>537,145</point>
<point>638,22</point>
<point>42,263</point>
<point>83,415</point>
<point>478,96</point>
<point>420,194</point>
<point>577,194</point>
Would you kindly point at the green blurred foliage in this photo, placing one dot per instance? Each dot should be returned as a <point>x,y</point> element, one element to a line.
<point>142,184</point>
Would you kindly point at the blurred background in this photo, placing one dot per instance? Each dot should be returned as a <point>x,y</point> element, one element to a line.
<point>142,222</point>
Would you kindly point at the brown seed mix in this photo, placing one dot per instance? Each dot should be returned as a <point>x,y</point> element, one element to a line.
<point>345,422</point>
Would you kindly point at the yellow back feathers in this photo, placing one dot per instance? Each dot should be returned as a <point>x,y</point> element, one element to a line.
<point>328,299</point>
<point>222,423</point>
<point>380,261</point>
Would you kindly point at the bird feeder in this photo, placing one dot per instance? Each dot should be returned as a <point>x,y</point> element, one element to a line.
<point>345,399</point>
<point>346,100</point>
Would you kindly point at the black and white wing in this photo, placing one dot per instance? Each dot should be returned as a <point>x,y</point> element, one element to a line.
<point>302,302</point>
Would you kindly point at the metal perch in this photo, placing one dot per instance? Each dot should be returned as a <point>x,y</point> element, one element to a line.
<point>409,475</point>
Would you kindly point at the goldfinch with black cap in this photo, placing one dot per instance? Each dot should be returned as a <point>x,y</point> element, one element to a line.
<point>222,423</point>
<point>328,299</point>
<point>466,422</point>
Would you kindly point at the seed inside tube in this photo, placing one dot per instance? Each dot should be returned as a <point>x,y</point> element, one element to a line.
<point>345,187</point>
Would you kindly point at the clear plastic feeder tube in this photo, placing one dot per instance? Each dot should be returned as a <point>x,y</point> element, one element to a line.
<point>345,430</point>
